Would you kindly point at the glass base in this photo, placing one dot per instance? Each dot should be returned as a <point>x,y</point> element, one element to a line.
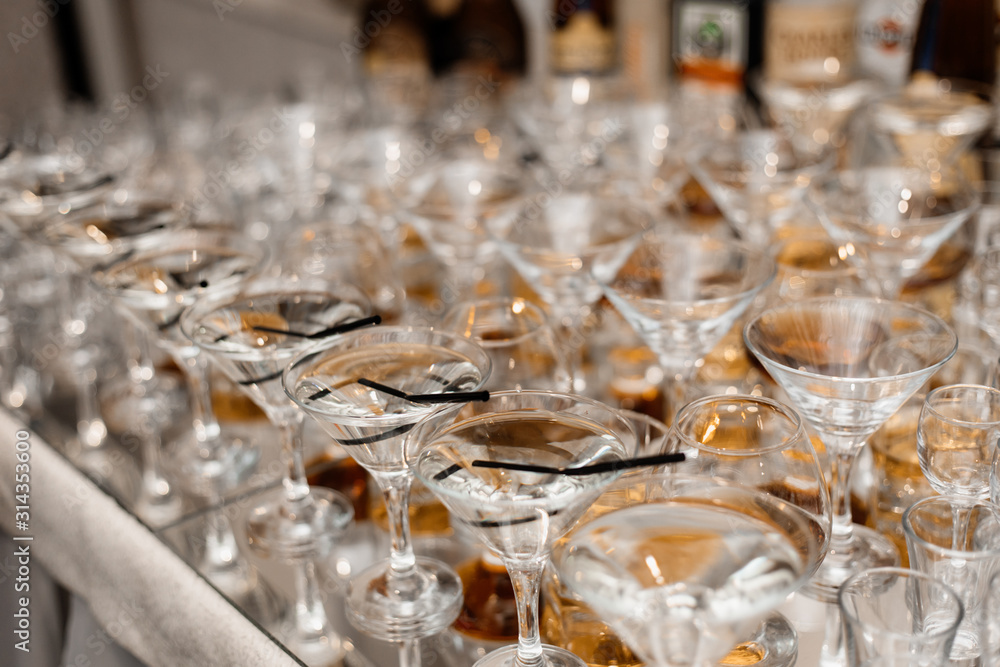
<point>322,649</point>
<point>866,549</point>
<point>423,604</point>
<point>158,509</point>
<point>552,656</point>
<point>306,529</point>
<point>774,643</point>
<point>209,471</point>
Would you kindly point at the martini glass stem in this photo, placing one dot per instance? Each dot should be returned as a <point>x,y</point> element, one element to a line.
<point>296,485</point>
<point>396,493</point>
<point>206,427</point>
<point>841,465</point>
<point>675,382</point>
<point>409,653</point>
<point>525,576</point>
<point>311,622</point>
<point>569,316</point>
<point>960,516</point>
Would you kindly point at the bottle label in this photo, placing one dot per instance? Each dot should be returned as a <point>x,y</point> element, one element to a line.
<point>886,31</point>
<point>710,39</point>
<point>583,45</point>
<point>801,39</point>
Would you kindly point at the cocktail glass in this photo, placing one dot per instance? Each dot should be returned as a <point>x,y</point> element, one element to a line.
<point>681,295</point>
<point>153,286</point>
<point>519,514</point>
<point>683,567</point>
<point>931,122</point>
<point>892,219</point>
<point>847,364</point>
<point>763,445</point>
<point>98,234</point>
<point>564,246</point>
<point>242,333</point>
<point>757,179</point>
<point>812,109</point>
<point>406,597</point>
<point>450,204</point>
<point>34,189</point>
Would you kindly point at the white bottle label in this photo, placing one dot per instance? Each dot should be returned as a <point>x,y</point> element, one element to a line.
<point>886,30</point>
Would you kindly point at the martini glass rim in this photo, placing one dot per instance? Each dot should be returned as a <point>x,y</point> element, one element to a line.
<point>414,449</point>
<point>943,330</point>
<point>632,210</point>
<point>713,155</point>
<point>785,411</point>
<point>822,196</point>
<point>723,244</point>
<point>55,230</point>
<point>506,303</point>
<point>184,240</point>
<point>807,86</point>
<point>103,182</point>
<point>336,345</point>
<point>197,312</point>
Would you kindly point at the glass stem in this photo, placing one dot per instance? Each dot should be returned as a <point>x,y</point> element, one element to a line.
<point>569,323</point>
<point>311,622</point>
<point>396,493</point>
<point>90,426</point>
<point>526,577</point>
<point>675,382</point>
<point>206,428</point>
<point>290,430</point>
<point>140,359</point>
<point>409,653</point>
<point>960,516</point>
<point>841,466</point>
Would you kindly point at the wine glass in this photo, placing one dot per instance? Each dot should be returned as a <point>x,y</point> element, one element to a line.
<point>891,220</point>
<point>683,567</point>
<point>564,245</point>
<point>153,286</point>
<point>682,294</point>
<point>757,179</point>
<point>847,364</point>
<point>761,444</point>
<point>519,513</point>
<point>957,435</point>
<point>252,336</point>
<point>357,387</point>
<point>450,204</point>
<point>516,335</point>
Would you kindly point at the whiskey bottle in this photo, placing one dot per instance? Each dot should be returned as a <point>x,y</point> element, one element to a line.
<point>583,37</point>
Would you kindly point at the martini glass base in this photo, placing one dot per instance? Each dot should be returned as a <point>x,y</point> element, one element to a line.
<point>307,528</point>
<point>158,510</point>
<point>321,650</point>
<point>774,643</point>
<point>430,608</point>
<point>867,549</point>
<point>210,469</point>
<point>552,656</point>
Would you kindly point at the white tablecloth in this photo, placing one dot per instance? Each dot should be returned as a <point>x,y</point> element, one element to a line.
<point>147,599</point>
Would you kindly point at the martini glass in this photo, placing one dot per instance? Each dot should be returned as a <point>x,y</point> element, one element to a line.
<point>684,567</point>
<point>847,364</point>
<point>153,286</point>
<point>97,234</point>
<point>757,178</point>
<point>450,204</point>
<point>562,246</point>
<point>242,334</point>
<point>519,514</point>
<point>406,597</point>
<point>812,108</point>
<point>34,188</point>
<point>682,295</point>
<point>931,122</point>
<point>892,220</point>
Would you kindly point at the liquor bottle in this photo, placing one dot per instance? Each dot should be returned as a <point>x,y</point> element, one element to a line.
<point>583,38</point>
<point>883,39</point>
<point>477,36</point>
<point>643,31</point>
<point>716,42</point>
<point>391,36</point>
<point>956,39</point>
<point>809,38</point>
